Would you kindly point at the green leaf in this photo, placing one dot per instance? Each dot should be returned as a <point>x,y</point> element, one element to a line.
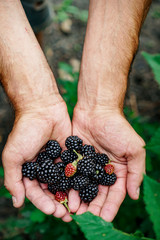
<point>1,172</point>
<point>152,201</point>
<point>37,216</point>
<point>95,228</point>
<point>66,67</point>
<point>154,143</point>
<point>154,62</point>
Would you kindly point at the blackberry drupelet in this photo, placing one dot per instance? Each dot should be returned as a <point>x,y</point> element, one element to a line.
<point>42,156</point>
<point>48,172</point>
<point>79,182</point>
<point>99,173</point>
<point>29,170</point>
<point>86,167</point>
<point>108,180</point>
<point>88,193</point>
<point>68,156</point>
<point>74,143</point>
<point>101,158</point>
<point>53,149</point>
<point>53,188</point>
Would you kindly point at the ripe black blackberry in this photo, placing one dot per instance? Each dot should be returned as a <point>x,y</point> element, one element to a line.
<point>48,172</point>
<point>74,143</point>
<point>68,156</point>
<point>53,149</point>
<point>101,158</point>
<point>79,182</point>
<point>88,193</point>
<point>87,148</point>
<point>64,183</point>
<point>86,167</point>
<point>108,180</point>
<point>60,166</point>
<point>29,170</point>
<point>99,173</point>
<point>42,156</point>
<point>53,188</point>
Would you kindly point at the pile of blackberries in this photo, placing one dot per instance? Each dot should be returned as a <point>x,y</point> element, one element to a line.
<point>81,168</point>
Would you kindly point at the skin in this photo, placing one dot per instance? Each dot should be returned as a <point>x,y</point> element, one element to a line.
<point>41,114</point>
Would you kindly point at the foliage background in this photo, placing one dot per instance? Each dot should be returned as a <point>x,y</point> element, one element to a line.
<point>137,218</point>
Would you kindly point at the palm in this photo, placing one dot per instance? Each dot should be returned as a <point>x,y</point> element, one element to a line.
<point>30,133</point>
<point>110,133</point>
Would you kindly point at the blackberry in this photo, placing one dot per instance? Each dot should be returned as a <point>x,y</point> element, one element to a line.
<point>74,143</point>
<point>68,156</point>
<point>102,159</point>
<point>87,148</point>
<point>88,193</point>
<point>29,170</point>
<point>108,180</point>
<point>53,188</point>
<point>64,183</point>
<point>79,182</point>
<point>99,173</point>
<point>42,156</point>
<point>86,167</point>
<point>53,149</point>
<point>48,172</point>
<point>60,166</point>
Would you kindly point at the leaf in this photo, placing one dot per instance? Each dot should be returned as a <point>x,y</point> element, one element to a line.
<point>95,228</point>
<point>37,216</point>
<point>154,143</point>
<point>154,62</point>
<point>1,172</point>
<point>152,201</point>
<point>66,67</point>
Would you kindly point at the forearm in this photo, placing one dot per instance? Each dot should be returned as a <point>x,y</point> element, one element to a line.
<point>25,74</point>
<point>110,45</point>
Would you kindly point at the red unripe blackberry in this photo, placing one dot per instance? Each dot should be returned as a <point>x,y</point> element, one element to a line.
<point>74,143</point>
<point>29,170</point>
<point>62,198</point>
<point>71,169</point>
<point>109,168</point>
<point>88,193</point>
<point>53,149</point>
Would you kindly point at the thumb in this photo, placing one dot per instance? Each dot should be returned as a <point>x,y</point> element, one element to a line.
<point>13,177</point>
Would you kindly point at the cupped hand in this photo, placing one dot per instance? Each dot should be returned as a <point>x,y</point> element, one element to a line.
<point>109,132</point>
<point>31,130</point>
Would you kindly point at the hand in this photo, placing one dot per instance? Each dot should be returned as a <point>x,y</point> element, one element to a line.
<point>31,130</point>
<point>110,133</point>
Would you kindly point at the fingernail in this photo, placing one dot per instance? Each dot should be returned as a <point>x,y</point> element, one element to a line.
<point>138,191</point>
<point>14,200</point>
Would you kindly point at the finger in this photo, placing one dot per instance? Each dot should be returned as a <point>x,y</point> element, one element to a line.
<point>82,209</point>
<point>67,218</point>
<point>73,200</point>
<point>38,197</point>
<point>60,210</point>
<point>96,205</point>
<point>115,197</point>
<point>13,179</point>
<point>136,169</point>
